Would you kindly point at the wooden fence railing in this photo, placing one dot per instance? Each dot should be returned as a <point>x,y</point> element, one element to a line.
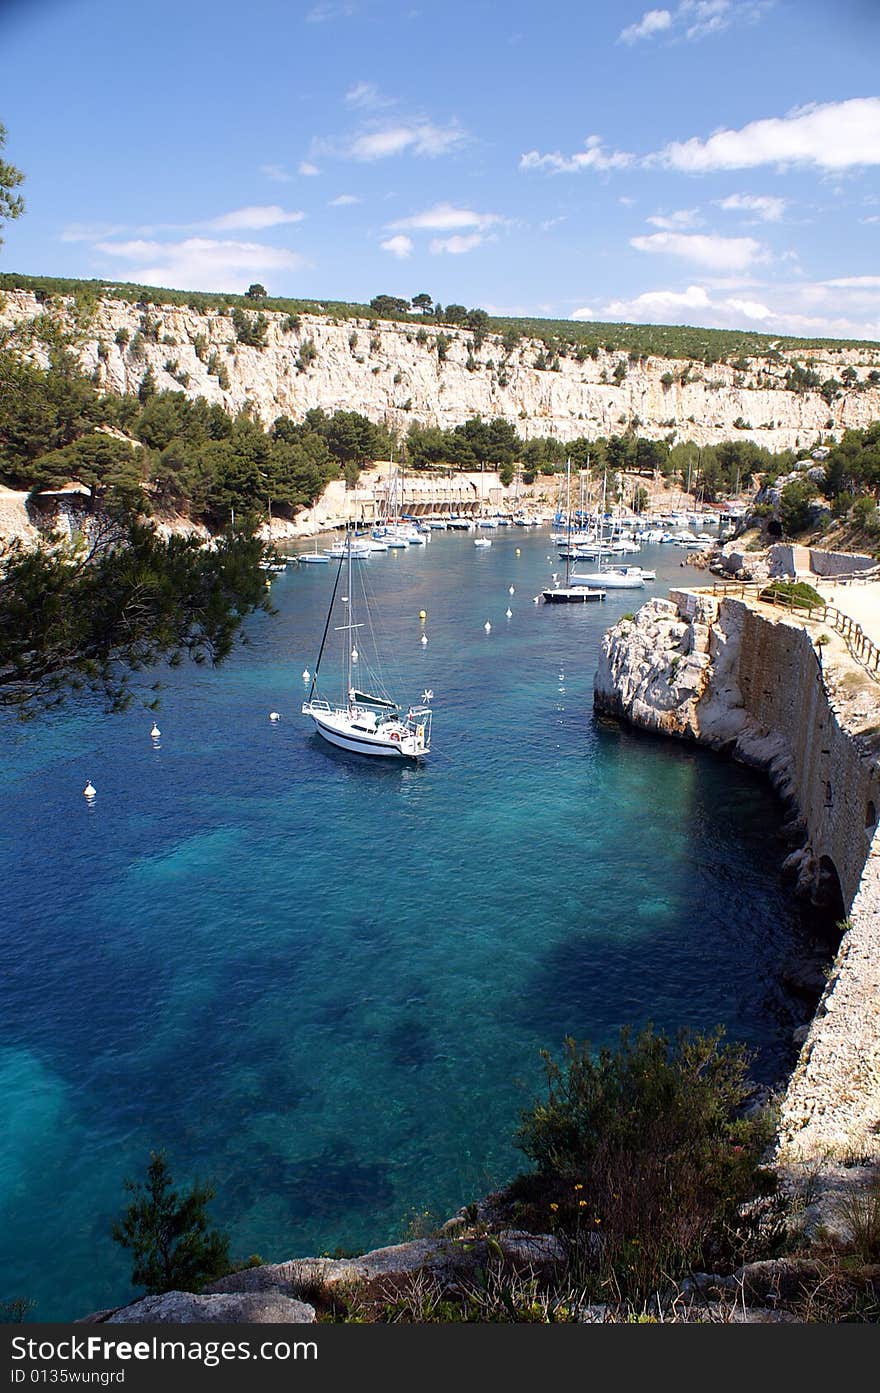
<point>850,630</point>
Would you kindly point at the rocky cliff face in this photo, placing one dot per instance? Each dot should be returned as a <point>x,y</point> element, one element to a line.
<point>391,372</point>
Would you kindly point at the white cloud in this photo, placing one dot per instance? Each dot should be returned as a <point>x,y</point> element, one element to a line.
<point>694,19</point>
<point>367,95</point>
<point>659,303</point>
<point>327,10</point>
<point>253,219</point>
<point>344,200</point>
<point>200,263</point>
<point>652,22</point>
<point>835,135</point>
<point>276,172</point>
<point>806,310</point>
<point>445,217</point>
<point>673,222</point>
<point>308,169</point>
<point>593,156</point>
<point>751,309</point>
<point>704,17</point>
<point>457,244</point>
<point>718,253</point>
<point>399,246</point>
<point>89,232</point>
<point>855,282</point>
<point>766,207</point>
<point>415,137</point>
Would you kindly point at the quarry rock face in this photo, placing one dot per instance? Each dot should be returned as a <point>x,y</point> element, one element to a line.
<point>392,373</point>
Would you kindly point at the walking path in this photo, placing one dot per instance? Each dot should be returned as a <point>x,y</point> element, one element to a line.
<point>860,602</point>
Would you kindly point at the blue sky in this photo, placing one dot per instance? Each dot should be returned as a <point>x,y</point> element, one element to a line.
<point>710,162</point>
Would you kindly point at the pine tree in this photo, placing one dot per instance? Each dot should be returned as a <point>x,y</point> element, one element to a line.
<point>168,1233</point>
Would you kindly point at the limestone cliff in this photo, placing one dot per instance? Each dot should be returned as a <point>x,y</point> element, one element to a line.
<point>391,373</point>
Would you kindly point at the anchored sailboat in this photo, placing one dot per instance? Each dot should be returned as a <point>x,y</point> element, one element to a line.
<point>570,593</point>
<point>369,721</point>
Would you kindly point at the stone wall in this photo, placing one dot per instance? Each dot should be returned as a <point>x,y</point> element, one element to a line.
<point>839,563</point>
<point>740,679</point>
<point>831,781</point>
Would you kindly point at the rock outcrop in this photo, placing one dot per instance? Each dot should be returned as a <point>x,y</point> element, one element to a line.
<point>289,1292</point>
<point>391,372</point>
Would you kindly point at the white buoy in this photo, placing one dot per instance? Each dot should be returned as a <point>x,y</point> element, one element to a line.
<point>509,612</point>
<point>155,732</point>
<point>306,675</point>
<point>90,790</point>
<point>488,627</point>
<point>354,655</point>
<point>423,639</point>
<point>511,589</point>
<point>274,716</point>
<point>517,551</point>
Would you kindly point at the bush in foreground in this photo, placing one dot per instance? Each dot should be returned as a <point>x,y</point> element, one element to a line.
<point>644,1162</point>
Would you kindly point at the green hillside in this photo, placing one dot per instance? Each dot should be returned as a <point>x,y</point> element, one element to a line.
<point>563,337</point>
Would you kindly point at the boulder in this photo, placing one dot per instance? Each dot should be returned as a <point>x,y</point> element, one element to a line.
<point>188,1308</point>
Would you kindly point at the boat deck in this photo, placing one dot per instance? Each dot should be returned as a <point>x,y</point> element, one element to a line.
<point>572,595</point>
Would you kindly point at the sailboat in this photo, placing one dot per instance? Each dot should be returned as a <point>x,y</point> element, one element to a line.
<point>369,721</point>
<point>568,593</point>
<point>313,558</point>
<point>609,577</point>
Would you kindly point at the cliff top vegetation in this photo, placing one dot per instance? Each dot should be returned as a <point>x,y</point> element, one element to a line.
<point>562,336</point>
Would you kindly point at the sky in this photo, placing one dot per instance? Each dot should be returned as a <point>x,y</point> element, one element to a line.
<point>708,162</point>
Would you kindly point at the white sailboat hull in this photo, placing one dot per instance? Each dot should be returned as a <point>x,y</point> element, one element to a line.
<point>335,726</point>
<point>608,580</point>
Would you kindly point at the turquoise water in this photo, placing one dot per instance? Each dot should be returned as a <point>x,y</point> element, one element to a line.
<point>324,982</point>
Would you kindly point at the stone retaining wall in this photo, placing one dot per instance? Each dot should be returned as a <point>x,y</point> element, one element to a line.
<point>729,675</point>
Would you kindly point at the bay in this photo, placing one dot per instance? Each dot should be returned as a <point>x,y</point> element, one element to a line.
<point>323,983</point>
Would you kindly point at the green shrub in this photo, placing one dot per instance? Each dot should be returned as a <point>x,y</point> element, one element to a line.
<point>250,329</point>
<point>798,593</point>
<point>307,354</point>
<point>643,1159</point>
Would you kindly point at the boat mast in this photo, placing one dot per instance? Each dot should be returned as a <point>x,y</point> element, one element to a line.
<point>326,624</point>
<point>568,504</point>
<point>347,698</point>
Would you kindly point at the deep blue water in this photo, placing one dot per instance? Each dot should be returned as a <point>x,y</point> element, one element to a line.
<point>324,983</point>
